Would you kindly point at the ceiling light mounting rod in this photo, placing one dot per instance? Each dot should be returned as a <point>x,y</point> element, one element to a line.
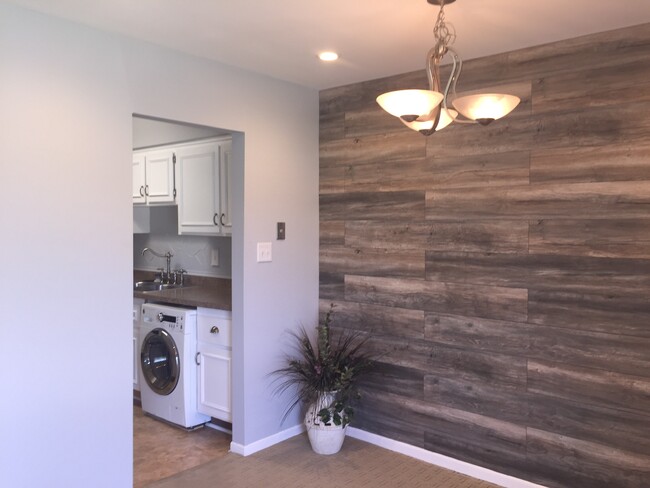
<point>427,111</point>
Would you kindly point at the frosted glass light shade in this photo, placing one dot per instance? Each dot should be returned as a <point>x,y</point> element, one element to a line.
<point>486,107</point>
<point>446,118</point>
<point>417,103</point>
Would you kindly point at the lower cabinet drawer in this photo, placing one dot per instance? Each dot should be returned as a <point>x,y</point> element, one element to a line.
<point>214,326</point>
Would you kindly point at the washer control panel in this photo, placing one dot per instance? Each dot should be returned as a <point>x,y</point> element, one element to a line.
<point>168,318</point>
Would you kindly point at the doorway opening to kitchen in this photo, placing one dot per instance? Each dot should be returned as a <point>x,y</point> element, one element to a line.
<point>184,212</point>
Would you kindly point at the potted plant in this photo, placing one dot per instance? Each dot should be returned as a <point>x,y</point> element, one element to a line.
<point>323,377</point>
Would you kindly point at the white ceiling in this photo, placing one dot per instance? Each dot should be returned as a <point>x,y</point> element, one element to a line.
<point>374,38</point>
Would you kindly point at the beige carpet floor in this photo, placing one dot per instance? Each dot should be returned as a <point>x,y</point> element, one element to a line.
<point>292,464</point>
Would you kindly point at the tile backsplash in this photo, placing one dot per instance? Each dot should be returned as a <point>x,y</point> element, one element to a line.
<point>192,253</point>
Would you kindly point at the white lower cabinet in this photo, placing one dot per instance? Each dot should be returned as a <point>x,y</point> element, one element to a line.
<point>214,358</point>
<point>137,307</point>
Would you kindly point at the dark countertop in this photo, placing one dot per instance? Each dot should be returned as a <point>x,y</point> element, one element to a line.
<point>198,292</point>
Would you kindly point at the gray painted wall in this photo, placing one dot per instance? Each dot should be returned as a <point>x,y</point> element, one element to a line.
<point>67,96</point>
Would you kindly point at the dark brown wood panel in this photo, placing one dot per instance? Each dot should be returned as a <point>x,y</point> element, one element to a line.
<point>623,200</point>
<point>477,301</point>
<point>626,313</point>
<point>535,271</point>
<point>562,461</point>
<point>626,161</point>
<point>372,262</point>
<point>617,238</point>
<point>476,236</point>
<point>478,334</point>
<point>524,346</point>
<point>590,386</point>
<point>376,319</point>
<point>372,206</point>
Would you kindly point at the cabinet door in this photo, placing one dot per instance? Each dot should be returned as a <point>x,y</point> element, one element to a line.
<point>214,382</point>
<point>198,189</point>
<point>159,186</point>
<point>225,179</point>
<point>139,178</point>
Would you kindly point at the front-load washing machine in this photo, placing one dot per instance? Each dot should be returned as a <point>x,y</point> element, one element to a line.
<point>167,370</point>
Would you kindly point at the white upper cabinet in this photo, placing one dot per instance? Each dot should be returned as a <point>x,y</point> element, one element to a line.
<point>203,172</point>
<point>153,176</point>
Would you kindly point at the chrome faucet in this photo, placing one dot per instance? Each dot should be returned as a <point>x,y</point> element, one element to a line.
<point>166,275</point>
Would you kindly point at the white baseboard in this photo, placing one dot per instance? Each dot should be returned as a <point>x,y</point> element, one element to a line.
<point>440,460</point>
<point>252,448</point>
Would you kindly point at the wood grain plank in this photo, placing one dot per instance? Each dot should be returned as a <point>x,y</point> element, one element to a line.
<point>622,200</point>
<point>332,179</point>
<point>394,379</point>
<point>403,144</point>
<point>592,423</point>
<point>614,238</point>
<point>613,162</point>
<point>331,286</point>
<point>469,236</point>
<point>478,334</point>
<point>376,319</point>
<point>331,126</point>
<point>609,352</point>
<point>538,271</point>
<point>476,301</point>
<point>332,232</point>
<point>372,262</point>
<point>372,206</point>
<point>562,461</point>
<point>608,85</point>
<point>626,313</point>
<point>590,386</point>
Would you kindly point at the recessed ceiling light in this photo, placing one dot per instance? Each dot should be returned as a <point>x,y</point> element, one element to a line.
<point>328,56</point>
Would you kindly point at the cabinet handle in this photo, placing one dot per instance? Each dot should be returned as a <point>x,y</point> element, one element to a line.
<point>196,359</point>
<point>142,191</point>
<point>214,219</point>
<point>221,219</point>
<point>146,190</point>
<point>214,330</point>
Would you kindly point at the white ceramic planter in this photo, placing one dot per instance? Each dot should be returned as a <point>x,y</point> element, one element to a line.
<point>324,439</point>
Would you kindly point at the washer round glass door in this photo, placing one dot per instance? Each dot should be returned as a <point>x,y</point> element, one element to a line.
<point>160,361</point>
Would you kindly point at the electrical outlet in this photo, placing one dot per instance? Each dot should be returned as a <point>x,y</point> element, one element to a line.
<point>264,252</point>
<point>214,260</point>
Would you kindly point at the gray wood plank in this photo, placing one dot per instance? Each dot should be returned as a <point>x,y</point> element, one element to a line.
<point>626,313</point>
<point>332,233</point>
<point>614,238</point>
<point>476,301</point>
<point>590,386</point>
<point>331,286</point>
<point>621,200</point>
<point>376,319</point>
<point>403,144</point>
<point>372,206</point>
<point>372,262</point>
<point>467,236</point>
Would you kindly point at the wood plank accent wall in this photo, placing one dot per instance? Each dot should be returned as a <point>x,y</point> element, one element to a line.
<point>503,272</point>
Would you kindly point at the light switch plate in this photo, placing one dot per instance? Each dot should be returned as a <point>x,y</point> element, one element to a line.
<point>264,252</point>
<point>214,259</point>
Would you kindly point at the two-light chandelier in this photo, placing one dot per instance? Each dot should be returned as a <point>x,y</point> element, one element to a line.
<point>427,111</point>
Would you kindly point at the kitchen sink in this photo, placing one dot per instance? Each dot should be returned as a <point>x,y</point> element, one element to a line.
<point>153,286</point>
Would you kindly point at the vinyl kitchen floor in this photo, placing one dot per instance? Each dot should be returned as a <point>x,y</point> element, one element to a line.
<point>160,450</point>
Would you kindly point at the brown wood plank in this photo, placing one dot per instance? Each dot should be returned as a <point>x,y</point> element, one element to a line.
<point>626,313</point>
<point>610,352</point>
<point>607,85</point>
<point>538,271</point>
<point>476,301</point>
<point>493,400</point>
<point>332,232</point>
<point>592,237</point>
<point>376,319</point>
<point>478,334</point>
<point>406,353</point>
<point>403,144</point>
<point>331,286</point>
<point>623,200</point>
<point>372,206</point>
<point>613,162</point>
<point>562,461</point>
<point>393,379</point>
<point>470,236</point>
<point>592,423</point>
<point>331,126</point>
<point>372,262</point>
<point>332,179</point>
<point>590,386</point>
